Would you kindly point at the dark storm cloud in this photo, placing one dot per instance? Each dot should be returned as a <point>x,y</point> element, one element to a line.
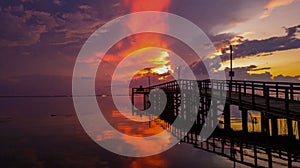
<point>259,69</point>
<point>282,78</point>
<point>221,39</point>
<point>292,31</point>
<point>265,47</point>
<point>242,73</point>
<point>22,27</point>
<point>25,23</point>
<point>15,31</point>
<point>44,37</point>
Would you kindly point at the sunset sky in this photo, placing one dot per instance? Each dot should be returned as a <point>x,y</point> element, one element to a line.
<point>40,40</point>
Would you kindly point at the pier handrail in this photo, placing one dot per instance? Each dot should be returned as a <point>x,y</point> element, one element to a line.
<point>259,88</point>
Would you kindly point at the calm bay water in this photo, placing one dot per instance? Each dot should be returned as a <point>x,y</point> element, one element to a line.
<point>45,132</point>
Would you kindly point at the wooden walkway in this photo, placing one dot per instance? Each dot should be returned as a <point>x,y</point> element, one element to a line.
<point>274,100</point>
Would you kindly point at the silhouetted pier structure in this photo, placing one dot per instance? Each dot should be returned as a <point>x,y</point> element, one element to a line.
<point>273,100</point>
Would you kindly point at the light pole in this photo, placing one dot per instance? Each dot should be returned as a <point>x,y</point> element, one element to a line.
<point>149,81</point>
<point>148,103</point>
<point>231,73</point>
<point>178,72</point>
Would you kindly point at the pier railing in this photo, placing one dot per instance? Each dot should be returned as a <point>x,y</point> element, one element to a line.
<point>279,97</point>
<point>278,90</point>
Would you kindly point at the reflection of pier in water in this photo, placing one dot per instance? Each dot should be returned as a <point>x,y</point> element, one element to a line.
<point>275,101</point>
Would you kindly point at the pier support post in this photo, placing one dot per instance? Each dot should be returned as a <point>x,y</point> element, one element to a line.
<point>274,126</point>
<point>145,102</point>
<point>227,117</point>
<point>291,139</point>
<point>289,125</point>
<point>290,129</point>
<point>241,152</point>
<point>132,101</point>
<point>223,145</point>
<point>262,122</point>
<point>298,123</point>
<point>244,120</point>
<point>267,125</point>
<point>270,162</point>
<point>255,155</point>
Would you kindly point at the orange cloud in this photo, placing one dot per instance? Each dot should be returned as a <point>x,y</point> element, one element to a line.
<point>125,47</point>
<point>274,4</point>
<point>158,22</point>
<point>143,5</point>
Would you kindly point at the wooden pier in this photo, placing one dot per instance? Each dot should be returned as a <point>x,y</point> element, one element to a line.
<point>273,100</point>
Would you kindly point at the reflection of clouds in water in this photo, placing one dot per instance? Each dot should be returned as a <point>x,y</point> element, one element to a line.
<point>153,143</point>
<point>137,129</point>
<point>116,114</point>
<point>129,130</point>
<point>128,115</point>
<point>151,146</point>
<point>107,134</point>
<point>155,161</point>
<point>133,127</point>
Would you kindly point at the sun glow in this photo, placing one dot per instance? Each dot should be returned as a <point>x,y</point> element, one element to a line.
<point>162,70</point>
<point>162,66</point>
<point>159,64</point>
